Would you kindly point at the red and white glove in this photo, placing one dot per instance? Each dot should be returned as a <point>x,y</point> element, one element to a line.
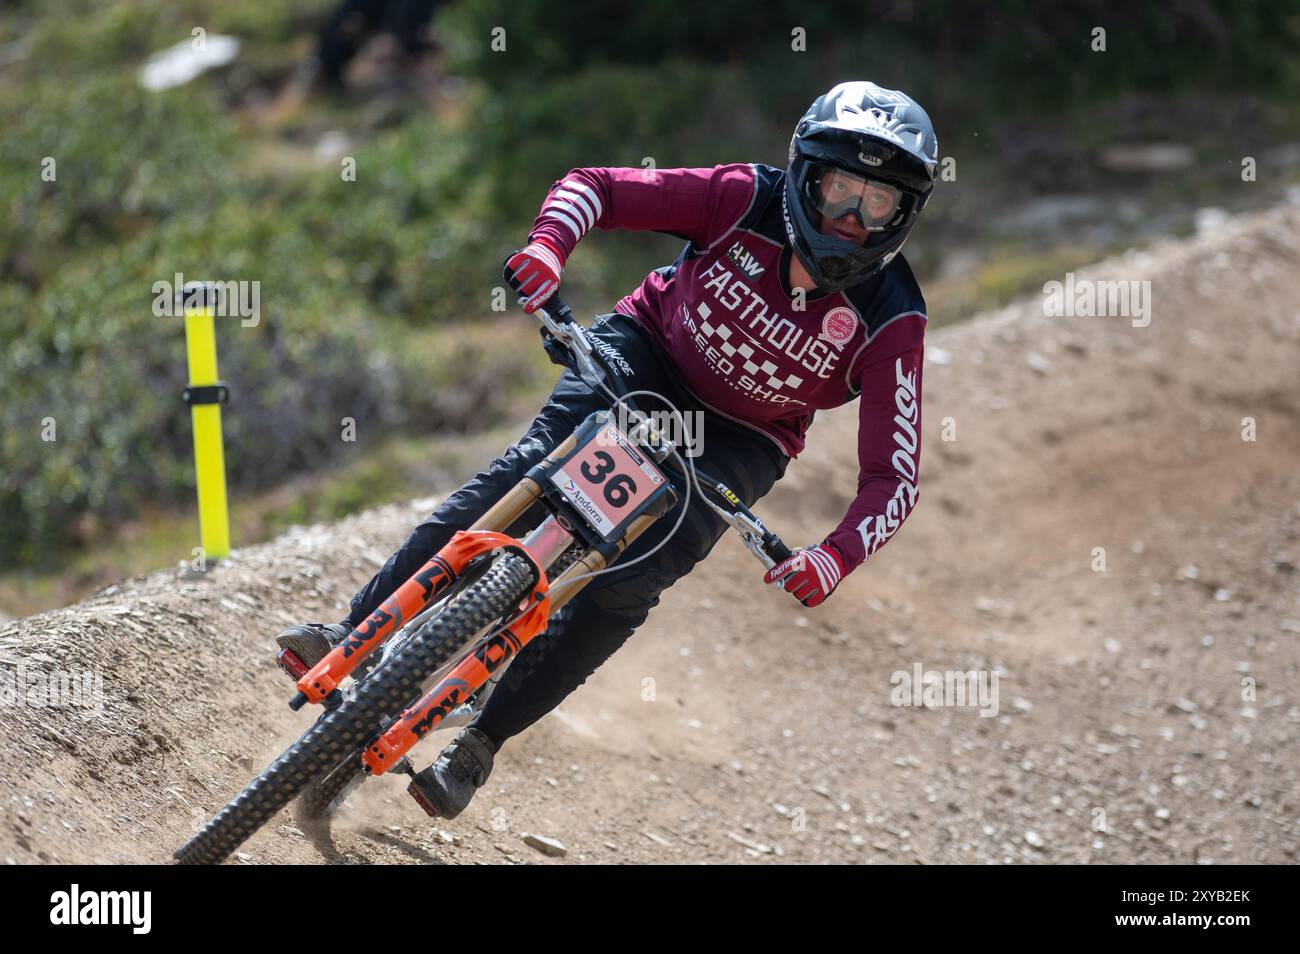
<point>811,573</point>
<point>535,272</point>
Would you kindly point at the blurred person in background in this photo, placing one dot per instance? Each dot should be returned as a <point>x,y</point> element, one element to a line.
<point>405,22</point>
<point>399,31</point>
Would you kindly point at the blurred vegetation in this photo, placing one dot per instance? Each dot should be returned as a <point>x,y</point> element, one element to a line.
<point>371,289</point>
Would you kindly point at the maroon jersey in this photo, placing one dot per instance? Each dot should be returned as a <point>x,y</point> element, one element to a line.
<point>748,347</point>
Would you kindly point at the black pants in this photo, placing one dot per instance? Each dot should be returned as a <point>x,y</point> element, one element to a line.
<point>596,622</point>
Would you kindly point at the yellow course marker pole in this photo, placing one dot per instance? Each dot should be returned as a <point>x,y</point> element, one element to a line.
<point>205,395</point>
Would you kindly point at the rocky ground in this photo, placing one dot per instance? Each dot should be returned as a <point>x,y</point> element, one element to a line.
<point>1109,521</point>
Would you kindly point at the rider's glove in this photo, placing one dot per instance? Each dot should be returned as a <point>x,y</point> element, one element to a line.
<point>535,272</point>
<point>811,573</point>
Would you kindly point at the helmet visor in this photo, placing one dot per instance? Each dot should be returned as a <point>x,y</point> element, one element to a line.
<point>834,192</point>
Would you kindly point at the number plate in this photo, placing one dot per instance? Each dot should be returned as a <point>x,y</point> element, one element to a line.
<point>607,480</point>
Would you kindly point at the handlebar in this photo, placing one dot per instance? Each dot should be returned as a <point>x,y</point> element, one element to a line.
<point>560,309</point>
<point>777,550</point>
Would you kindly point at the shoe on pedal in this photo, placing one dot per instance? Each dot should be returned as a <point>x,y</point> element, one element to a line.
<point>304,645</point>
<point>446,787</point>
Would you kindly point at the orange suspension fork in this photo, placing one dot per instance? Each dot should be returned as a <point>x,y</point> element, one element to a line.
<point>406,602</point>
<point>468,676</point>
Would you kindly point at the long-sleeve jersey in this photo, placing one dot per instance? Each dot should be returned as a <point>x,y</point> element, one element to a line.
<point>746,346</point>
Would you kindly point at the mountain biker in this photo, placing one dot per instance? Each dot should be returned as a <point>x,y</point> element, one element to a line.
<point>790,296</point>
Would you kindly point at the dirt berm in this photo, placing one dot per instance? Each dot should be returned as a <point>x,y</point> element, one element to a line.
<point>1109,521</point>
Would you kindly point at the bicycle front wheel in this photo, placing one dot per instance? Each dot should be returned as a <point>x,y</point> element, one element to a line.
<point>341,735</point>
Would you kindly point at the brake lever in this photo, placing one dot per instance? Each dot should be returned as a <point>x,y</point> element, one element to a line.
<point>573,337</point>
<point>752,534</point>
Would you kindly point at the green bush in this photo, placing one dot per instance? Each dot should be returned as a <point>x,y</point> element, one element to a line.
<point>89,353</point>
<point>1024,54</point>
<point>356,279</point>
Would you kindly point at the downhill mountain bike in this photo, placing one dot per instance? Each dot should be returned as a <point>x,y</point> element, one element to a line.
<point>430,655</point>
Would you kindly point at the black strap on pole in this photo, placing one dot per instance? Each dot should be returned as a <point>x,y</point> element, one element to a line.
<point>217,393</point>
<point>199,296</point>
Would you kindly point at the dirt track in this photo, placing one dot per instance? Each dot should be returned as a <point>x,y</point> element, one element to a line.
<point>771,735</point>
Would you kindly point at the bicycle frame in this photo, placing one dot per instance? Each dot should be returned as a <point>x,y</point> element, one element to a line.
<point>491,650</point>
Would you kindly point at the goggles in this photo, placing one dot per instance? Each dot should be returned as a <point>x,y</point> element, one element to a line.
<point>835,192</point>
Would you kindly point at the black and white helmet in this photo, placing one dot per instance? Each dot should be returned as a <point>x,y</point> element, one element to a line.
<point>863,149</point>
